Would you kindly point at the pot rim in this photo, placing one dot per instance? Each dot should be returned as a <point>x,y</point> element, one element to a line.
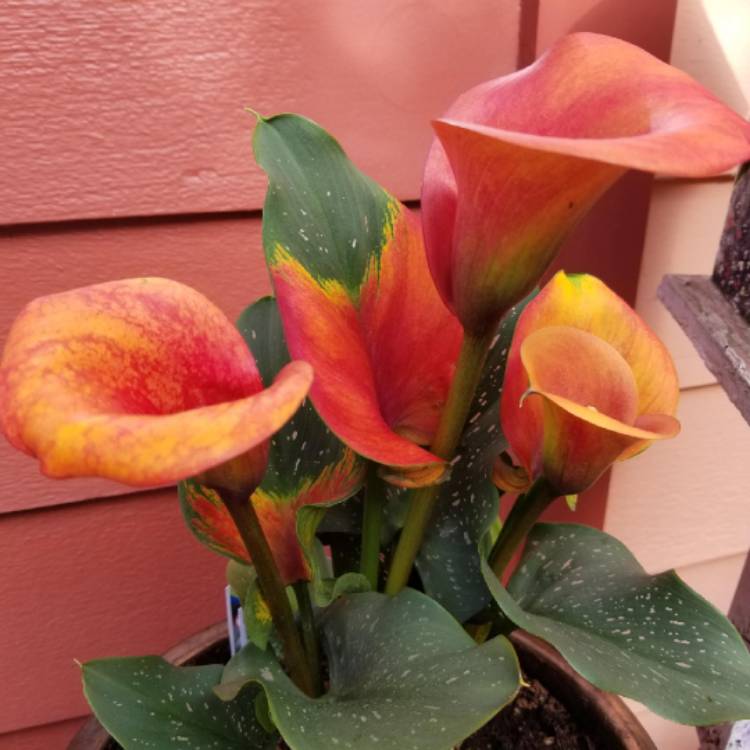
<point>589,705</point>
<point>606,712</point>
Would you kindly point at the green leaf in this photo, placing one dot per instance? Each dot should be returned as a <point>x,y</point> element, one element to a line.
<point>356,296</point>
<point>325,585</point>
<point>449,559</point>
<point>304,450</point>
<point>297,153</point>
<point>403,674</point>
<point>648,637</point>
<point>308,466</point>
<point>147,702</point>
<point>490,537</point>
<point>331,589</point>
<point>243,580</point>
<point>257,616</point>
<point>341,531</point>
<point>344,517</point>
<point>240,577</point>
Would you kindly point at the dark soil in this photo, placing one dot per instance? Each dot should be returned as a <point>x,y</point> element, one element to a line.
<point>534,721</point>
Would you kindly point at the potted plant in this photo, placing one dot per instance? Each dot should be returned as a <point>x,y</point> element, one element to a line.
<point>344,444</point>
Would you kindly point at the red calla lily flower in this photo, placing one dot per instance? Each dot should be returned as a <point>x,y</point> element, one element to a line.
<point>143,381</point>
<point>520,159</point>
<point>587,383</point>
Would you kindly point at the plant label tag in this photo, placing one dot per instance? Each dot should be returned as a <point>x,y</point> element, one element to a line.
<point>235,622</point>
<point>740,737</point>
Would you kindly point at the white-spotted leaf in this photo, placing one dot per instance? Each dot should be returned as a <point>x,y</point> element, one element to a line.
<point>449,559</point>
<point>648,637</point>
<point>146,702</point>
<point>403,673</point>
<point>308,466</point>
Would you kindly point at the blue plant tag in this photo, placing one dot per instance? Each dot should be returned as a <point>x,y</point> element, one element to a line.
<point>235,621</point>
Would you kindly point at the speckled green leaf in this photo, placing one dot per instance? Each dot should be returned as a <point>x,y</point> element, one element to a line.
<point>240,577</point>
<point>318,203</point>
<point>357,299</point>
<point>403,674</point>
<point>449,560</point>
<point>146,702</point>
<point>648,637</point>
<point>257,616</point>
<point>304,450</point>
<point>308,466</point>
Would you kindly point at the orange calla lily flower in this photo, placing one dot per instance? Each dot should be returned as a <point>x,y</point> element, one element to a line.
<point>143,381</point>
<point>587,383</point>
<point>519,160</point>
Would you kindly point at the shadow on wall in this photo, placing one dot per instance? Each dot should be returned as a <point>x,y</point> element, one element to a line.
<point>708,30</point>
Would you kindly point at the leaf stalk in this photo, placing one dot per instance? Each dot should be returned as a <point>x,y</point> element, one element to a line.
<point>309,632</point>
<point>272,587</point>
<point>474,350</point>
<point>521,519</point>
<point>372,524</point>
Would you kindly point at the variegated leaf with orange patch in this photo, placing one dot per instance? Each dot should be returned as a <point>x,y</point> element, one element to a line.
<point>356,299</point>
<point>308,466</point>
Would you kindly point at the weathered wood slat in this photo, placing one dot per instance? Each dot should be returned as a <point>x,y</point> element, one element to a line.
<point>718,332</point>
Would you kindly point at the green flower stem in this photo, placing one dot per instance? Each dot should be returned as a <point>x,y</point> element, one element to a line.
<point>272,587</point>
<point>471,360</point>
<point>309,632</point>
<point>522,517</point>
<point>371,526</point>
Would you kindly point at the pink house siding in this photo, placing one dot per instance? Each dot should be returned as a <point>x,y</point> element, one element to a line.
<point>125,152</point>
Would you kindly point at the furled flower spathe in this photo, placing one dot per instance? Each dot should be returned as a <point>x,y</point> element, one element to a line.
<point>519,160</point>
<point>587,384</point>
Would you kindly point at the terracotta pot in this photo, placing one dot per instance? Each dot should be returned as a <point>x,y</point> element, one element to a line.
<point>601,713</point>
<point>605,714</point>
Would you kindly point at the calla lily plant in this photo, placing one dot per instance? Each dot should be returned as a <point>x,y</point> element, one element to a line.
<point>346,443</point>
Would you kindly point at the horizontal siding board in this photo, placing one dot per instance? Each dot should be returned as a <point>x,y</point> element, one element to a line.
<point>55,736</point>
<point>221,258</point>
<point>685,223</point>
<point>110,578</point>
<point>129,109</point>
<point>684,501</point>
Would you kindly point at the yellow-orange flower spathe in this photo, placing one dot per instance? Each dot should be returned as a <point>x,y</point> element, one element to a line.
<point>587,384</point>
